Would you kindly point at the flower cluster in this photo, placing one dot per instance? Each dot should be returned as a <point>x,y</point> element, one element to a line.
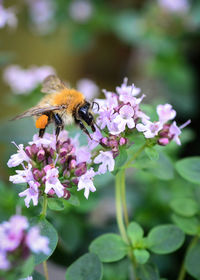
<point>58,167</point>
<point>7,16</point>
<point>178,6</point>
<point>17,241</point>
<point>22,81</point>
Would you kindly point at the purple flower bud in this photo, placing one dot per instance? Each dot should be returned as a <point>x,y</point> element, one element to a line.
<point>63,152</point>
<point>51,192</point>
<point>67,194</point>
<point>28,151</point>
<point>37,174</point>
<point>122,141</point>
<point>34,149</point>
<point>66,173</point>
<point>81,169</point>
<point>52,152</point>
<point>66,185</point>
<point>41,155</point>
<point>50,160</point>
<point>63,160</point>
<point>72,164</point>
<point>163,141</point>
<point>104,141</point>
<point>75,181</point>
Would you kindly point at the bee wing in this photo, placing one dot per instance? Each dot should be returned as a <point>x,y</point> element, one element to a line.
<point>52,84</point>
<point>38,111</point>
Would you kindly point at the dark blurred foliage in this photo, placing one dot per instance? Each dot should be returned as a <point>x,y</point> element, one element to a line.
<point>159,51</point>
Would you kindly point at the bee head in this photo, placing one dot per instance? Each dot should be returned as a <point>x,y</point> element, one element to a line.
<point>84,114</point>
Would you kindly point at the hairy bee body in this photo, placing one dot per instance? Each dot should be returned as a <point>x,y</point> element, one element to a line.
<point>61,106</point>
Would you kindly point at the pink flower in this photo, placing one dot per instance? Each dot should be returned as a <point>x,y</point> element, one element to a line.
<point>36,242</point>
<point>125,117</point>
<point>165,113</point>
<point>47,141</point>
<point>52,181</point>
<point>19,157</point>
<point>7,16</point>
<point>174,6</point>
<point>88,88</point>
<point>86,182</point>
<point>174,132</point>
<point>96,136</point>
<point>4,262</point>
<point>80,10</point>
<point>32,193</point>
<point>12,232</point>
<point>83,154</point>
<point>149,128</point>
<point>108,163</point>
<point>23,176</point>
<point>127,91</point>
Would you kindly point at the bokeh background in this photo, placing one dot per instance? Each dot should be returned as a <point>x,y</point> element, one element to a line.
<point>93,45</point>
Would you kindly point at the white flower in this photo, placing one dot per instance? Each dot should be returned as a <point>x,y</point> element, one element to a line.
<point>36,242</point>
<point>19,157</point>
<point>23,176</point>
<point>174,132</point>
<point>149,128</point>
<point>32,193</point>
<point>52,181</point>
<point>165,113</point>
<point>108,163</point>
<point>86,182</point>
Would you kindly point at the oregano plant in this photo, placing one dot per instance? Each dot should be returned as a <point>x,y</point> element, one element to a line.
<point>53,170</point>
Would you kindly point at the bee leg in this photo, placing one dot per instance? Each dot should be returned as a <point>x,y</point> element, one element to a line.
<point>82,127</point>
<point>59,124</point>
<point>41,132</point>
<point>93,127</point>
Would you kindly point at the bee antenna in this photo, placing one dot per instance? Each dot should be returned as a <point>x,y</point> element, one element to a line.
<point>93,103</point>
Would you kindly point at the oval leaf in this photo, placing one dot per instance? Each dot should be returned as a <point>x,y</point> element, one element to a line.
<point>184,206</point>
<point>192,261</point>
<point>189,169</point>
<point>55,204</point>
<point>135,233</point>
<point>147,271</point>
<point>46,229</point>
<point>109,247</point>
<point>165,239</point>
<point>141,255</point>
<point>188,225</point>
<point>152,153</point>
<point>87,267</point>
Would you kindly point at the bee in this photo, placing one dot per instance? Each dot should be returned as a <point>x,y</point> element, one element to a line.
<point>60,106</point>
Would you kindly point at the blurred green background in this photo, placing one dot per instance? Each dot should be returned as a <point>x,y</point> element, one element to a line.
<point>156,44</point>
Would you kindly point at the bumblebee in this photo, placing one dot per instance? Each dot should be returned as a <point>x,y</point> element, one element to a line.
<point>60,106</point>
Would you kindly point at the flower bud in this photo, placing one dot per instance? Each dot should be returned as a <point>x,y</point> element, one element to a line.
<point>122,141</point>
<point>163,141</point>
<point>104,141</point>
<point>34,149</point>
<point>51,192</point>
<point>67,194</point>
<point>28,151</point>
<point>81,169</point>
<point>72,164</point>
<point>41,155</point>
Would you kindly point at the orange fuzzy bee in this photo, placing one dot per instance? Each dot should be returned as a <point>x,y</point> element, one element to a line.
<point>61,106</point>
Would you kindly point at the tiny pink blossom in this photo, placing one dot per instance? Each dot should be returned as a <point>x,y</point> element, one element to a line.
<point>126,90</point>
<point>80,10</point>
<point>22,176</point>
<point>165,113</point>
<point>83,154</point>
<point>86,182</point>
<point>108,163</point>
<point>149,128</point>
<point>174,132</point>
<point>19,157</point>
<point>52,181</point>
<point>32,193</point>
<point>96,136</point>
<point>36,242</point>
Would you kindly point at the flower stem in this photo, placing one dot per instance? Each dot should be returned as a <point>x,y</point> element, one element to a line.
<point>134,156</point>
<point>182,272</point>
<point>119,214</point>
<point>43,215</point>
<point>123,196</point>
<point>45,270</point>
<point>44,207</point>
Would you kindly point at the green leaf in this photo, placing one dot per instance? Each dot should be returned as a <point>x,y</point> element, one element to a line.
<point>152,153</point>
<point>55,204</point>
<point>46,229</point>
<point>190,225</point>
<point>120,160</point>
<point>147,271</point>
<point>37,276</point>
<point>189,169</point>
<point>109,247</point>
<point>87,267</point>
<point>73,200</point>
<point>192,261</point>
<point>165,239</point>
<point>27,267</point>
<point>141,255</point>
<point>135,233</point>
<point>184,206</point>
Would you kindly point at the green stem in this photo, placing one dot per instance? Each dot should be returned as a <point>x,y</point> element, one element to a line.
<point>182,272</point>
<point>45,270</point>
<point>123,196</point>
<point>44,207</point>
<point>134,156</point>
<point>119,214</point>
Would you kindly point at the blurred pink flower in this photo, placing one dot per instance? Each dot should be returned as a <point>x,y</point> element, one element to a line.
<point>80,10</point>
<point>174,5</point>
<point>88,88</point>
<point>23,81</point>
<point>165,113</point>
<point>150,129</point>
<point>4,262</point>
<point>7,17</point>
<point>36,242</point>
